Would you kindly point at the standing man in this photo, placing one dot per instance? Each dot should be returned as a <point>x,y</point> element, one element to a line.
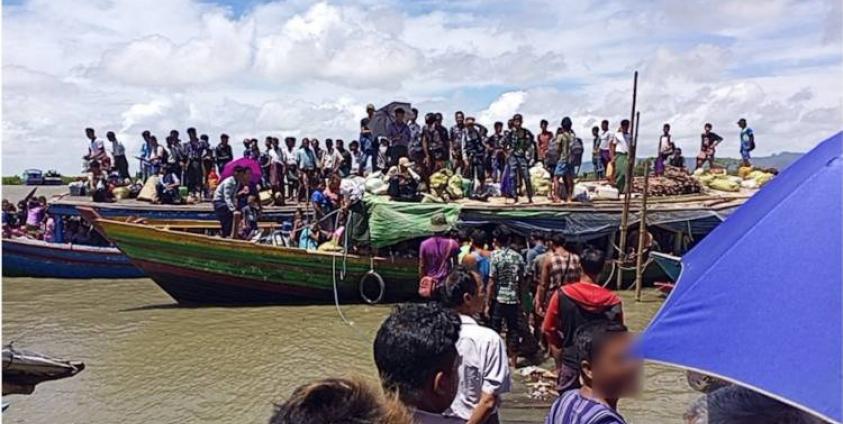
<point>455,137</point>
<point>620,155</point>
<point>291,167</point>
<point>573,305</point>
<point>225,198</point>
<point>414,146</point>
<point>193,163</point>
<point>474,153</point>
<point>484,370</point>
<point>145,153</point>
<point>434,144</point>
<point>519,146</point>
<point>346,159</point>
<point>331,159</point>
<point>560,267</point>
<point>506,271</point>
<point>494,152</point>
<point>543,141</point>
<point>608,373</point>
<point>665,149</point>
<point>222,153</point>
<point>708,146</point>
<point>96,149</point>
<point>398,134</point>
<point>118,152</point>
<point>306,161</point>
<point>596,163</point>
<point>564,172</point>
<point>605,147</point>
<point>747,141</point>
<point>437,254</point>
<point>175,156</point>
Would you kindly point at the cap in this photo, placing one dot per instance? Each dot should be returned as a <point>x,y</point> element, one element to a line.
<point>438,223</point>
<point>404,163</point>
<point>370,107</point>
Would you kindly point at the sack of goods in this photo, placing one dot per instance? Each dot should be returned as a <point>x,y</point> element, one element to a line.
<point>455,187</point>
<point>540,179</point>
<point>375,184</point>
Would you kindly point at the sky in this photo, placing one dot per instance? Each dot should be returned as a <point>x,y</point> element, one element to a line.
<point>254,68</point>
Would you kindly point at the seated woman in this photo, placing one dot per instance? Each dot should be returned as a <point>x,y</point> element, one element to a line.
<point>168,186</point>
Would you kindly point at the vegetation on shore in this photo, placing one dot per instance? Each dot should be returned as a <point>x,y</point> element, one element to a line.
<point>16,180</point>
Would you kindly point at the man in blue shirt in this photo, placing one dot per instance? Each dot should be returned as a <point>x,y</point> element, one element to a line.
<point>306,161</point>
<point>747,141</point>
<point>398,134</point>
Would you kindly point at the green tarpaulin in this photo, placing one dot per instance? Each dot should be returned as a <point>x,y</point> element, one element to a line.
<point>393,222</point>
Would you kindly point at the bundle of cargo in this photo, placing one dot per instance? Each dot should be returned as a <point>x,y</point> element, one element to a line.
<point>673,182</point>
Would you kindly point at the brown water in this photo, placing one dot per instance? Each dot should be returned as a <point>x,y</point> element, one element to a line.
<point>149,361</point>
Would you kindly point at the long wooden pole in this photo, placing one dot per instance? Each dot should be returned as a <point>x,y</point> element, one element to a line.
<point>642,232</point>
<point>628,188</point>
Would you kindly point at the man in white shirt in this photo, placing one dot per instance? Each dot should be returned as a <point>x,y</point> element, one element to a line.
<point>484,371</point>
<point>620,155</point>
<point>118,152</point>
<point>331,159</point>
<point>96,150</point>
<point>605,144</point>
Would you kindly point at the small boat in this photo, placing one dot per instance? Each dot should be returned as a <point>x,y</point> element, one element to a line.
<point>24,257</point>
<point>32,177</point>
<point>52,177</point>
<point>196,269</point>
<point>669,264</point>
<point>23,369</point>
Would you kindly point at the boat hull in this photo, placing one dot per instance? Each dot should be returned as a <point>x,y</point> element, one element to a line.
<point>33,258</point>
<point>199,270</point>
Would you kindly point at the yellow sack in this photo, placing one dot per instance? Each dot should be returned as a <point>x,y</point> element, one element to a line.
<point>610,171</point>
<point>744,172</point>
<point>455,187</point>
<point>762,179</point>
<point>724,184</point>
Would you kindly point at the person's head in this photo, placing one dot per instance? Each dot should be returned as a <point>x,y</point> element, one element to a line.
<point>595,130</point>
<point>439,118</point>
<point>605,364</point>
<point>89,132</point>
<point>557,240</point>
<point>459,117</point>
<point>415,114</point>
<point>329,144</point>
<point>707,127</point>
<point>94,165</point>
<point>625,125</point>
<point>334,182</point>
<point>384,143</point>
<point>145,135</point>
<point>314,142</point>
<point>339,400</point>
<point>438,223</point>
<point>742,123</point>
<point>399,114</point>
<point>354,146</point>
<point>253,201</point>
<point>416,355</point>
<point>517,120</point>
<point>430,119</point>
<point>305,142</point>
<point>204,137</point>
<point>404,164</point>
<point>275,142</point>
<point>242,174</point>
<point>604,125</point>
<point>153,140</point>
<point>479,239</point>
<point>267,142</point>
<point>370,110</point>
<point>462,292</point>
<point>566,123</point>
<point>543,124</point>
<point>469,122</point>
<point>498,126</point>
<point>224,139</point>
<point>502,237</point>
<point>290,142</point>
<point>174,134</point>
<point>191,133</point>
<point>592,261</point>
<point>110,136</point>
<point>666,129</point>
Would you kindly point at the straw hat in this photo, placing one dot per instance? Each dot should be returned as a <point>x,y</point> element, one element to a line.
<point>438,223</point>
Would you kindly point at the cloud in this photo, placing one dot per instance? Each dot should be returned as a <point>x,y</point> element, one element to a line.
<point>301,67</point>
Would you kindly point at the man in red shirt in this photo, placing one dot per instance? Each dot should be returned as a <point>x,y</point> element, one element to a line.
<point>572,306</point>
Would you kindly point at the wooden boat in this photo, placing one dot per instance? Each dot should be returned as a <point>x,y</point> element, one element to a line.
<point>669,264</point>
<point>35,258</point>
<point>23,369</point>
<point>196,269</point>
<point>69,206</point>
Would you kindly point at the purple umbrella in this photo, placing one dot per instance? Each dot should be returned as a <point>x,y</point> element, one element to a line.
<point>248,163</point>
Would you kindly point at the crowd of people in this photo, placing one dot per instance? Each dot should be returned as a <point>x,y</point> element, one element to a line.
<point>445,361</point>
<point>407,153</point>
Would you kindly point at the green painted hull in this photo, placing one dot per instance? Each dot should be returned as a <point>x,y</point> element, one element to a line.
<point>197,269</point>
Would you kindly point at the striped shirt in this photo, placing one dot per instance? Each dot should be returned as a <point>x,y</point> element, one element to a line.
<point>573,408</point>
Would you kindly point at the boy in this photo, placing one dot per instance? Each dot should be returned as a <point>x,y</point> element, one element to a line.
<point>607,373</point>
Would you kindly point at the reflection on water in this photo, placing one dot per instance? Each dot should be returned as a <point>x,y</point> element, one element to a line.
<point>148,361</point>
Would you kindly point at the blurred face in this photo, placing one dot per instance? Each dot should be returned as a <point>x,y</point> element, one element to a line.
<point>666,129</point>
<point>89,134</point>
<point>498,128</point>
<point>460,118</point>
<point>329,144</point>
<point>399,116</point>
<point>516,123</point>
<point>604,126</point>
<point>543,125</point>
<point>614,371</point>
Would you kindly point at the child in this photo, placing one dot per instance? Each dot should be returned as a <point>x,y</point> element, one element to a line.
<point>250,214</point>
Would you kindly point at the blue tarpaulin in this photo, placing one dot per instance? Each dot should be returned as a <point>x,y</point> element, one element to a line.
<point>758,302</point>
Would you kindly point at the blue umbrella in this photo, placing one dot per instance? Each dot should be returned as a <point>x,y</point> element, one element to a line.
<point>758,302</point>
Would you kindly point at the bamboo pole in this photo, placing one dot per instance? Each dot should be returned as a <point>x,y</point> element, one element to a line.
<point>642,231</point>
<point>631,163</point>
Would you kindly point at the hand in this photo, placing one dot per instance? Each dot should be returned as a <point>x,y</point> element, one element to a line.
<point>538,309</point>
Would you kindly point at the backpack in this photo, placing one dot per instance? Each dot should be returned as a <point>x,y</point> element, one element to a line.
<point>751,144</point>
<point>575,157</point>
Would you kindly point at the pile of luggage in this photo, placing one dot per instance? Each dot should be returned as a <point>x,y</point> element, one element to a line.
<point>675,181</point>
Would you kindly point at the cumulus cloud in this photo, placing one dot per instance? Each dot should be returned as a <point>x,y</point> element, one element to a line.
<point>309,68</point>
